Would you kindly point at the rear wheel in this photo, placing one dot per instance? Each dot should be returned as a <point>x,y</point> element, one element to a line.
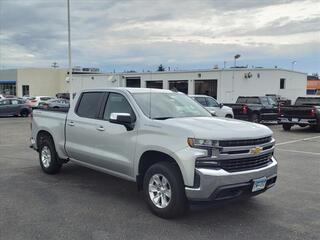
<point>24,113</point>
<point>164,190</point>
<point>229,116</point>
<point>286,126</point>
<point>49,160</point>
<point>255,118</point>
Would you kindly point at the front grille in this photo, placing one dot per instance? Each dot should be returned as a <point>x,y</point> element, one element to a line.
<point>247,142</point>
<point>243,164</point>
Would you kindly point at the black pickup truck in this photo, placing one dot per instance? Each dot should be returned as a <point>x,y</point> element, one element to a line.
<point>305,112</point>
<point>255,108</point>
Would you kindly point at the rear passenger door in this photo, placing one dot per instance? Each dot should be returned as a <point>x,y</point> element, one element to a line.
<point>82,125</point>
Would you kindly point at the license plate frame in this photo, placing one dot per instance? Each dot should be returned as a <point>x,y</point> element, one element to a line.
<point>295,119</point>
<point>259,184</point>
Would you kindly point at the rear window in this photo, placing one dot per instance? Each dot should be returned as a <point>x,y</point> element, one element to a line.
<point>89,104</point>
<point>252,100</point>
<point>308,101</point>
<point>45,98</point>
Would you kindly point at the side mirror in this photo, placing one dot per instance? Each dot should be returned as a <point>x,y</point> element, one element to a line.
<point>213,113</point>
<point>221,105</point>
<point>122,119</point>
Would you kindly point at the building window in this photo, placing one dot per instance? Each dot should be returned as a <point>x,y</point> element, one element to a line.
<point>180,86</point>
<point>25,90</point>
<point>282,83</point>
<point>133,82</point>
<point>7,88</point>
<point>206,87</point>
<point>154,84</point>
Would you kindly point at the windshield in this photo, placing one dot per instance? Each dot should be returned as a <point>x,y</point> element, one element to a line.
<point>169,105</point>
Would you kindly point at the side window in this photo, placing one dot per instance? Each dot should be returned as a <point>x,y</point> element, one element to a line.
<point>89,104</point>
<point>117,103</point>
<point>211,102</point>
<point>14,102</point>
<point>201,100</point>
<point>4,102</point>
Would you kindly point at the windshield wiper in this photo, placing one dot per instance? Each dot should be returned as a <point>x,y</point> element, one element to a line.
<point>162,118</point>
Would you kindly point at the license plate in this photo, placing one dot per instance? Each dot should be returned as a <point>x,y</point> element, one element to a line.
<point>259,184</point>
<point>295,120</point>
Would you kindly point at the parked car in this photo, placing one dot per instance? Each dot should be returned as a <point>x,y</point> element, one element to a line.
<point>213,106</point>
<point>55,103</point>
<point>34,101</point>
<point>280,101</point>
<point>63,95</point>
<point>1,97</point>
<point>14,107</point>
<point>255,109</point>
<point>164,141</point>
<point>305,112</point>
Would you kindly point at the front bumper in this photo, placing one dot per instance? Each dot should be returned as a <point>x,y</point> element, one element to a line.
<point>221,185</point>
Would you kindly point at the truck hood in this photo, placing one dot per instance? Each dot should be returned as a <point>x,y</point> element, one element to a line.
<point>220,128</point>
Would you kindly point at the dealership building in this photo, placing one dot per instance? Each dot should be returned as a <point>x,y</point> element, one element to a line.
<point>33,81</point>
<point>224,84</point>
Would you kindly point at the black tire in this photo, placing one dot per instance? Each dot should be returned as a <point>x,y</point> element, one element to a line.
<point>24,113</point>
<point>177,204</point>
<point>255,118</point>
<point>229,116</point>
<point>286,126</point>
<point>47,149</point>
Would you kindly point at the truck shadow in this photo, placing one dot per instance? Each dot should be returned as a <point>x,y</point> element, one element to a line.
<point>124,193</point>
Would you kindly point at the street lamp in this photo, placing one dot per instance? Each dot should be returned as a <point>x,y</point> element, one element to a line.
<point>292,64</point>
<point>235,64</point>
<point>235,59</point>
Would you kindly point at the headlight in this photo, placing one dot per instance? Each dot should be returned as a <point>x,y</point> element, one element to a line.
<point>202,143</point>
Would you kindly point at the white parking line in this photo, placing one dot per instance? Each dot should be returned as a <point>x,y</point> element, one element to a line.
<point>295,151</point>
<point>298,140</point>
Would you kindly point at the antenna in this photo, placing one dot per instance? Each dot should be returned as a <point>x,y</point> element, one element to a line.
<point>150,98</point>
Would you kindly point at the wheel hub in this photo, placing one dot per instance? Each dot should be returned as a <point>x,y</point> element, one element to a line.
<point>46,156</point>
<point>159,191</point>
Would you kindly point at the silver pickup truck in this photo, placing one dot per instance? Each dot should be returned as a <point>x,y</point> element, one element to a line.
<point>168,144</point>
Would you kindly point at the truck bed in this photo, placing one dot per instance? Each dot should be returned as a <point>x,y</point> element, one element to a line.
<point>52,121</point>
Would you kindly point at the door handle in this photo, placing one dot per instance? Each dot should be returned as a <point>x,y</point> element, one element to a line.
<point>71,124</point>
<point>100,128</point>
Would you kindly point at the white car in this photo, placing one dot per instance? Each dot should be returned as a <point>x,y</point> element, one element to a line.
<point>1,96</point>
<point>34,101</point>
<point>213,106</point>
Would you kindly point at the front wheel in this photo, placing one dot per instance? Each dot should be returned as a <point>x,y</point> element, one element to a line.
<point>164,190</point>
<point>49,160</point>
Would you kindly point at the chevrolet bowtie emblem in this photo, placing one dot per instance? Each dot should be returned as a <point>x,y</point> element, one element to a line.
<point>256,150</point>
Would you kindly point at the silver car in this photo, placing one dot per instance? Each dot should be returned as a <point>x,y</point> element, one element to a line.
<point>14,107</point>
<point>217,109</point>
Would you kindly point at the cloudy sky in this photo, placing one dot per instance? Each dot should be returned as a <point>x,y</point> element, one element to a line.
<point>141,34</point>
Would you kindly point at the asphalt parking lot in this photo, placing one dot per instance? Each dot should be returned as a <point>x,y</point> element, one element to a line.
<point>80,203</point>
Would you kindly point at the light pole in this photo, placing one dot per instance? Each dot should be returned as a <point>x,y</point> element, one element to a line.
<point>69,53</point>
<point>235,64</point>
<point>235,59</point>
<point>292,64</point>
